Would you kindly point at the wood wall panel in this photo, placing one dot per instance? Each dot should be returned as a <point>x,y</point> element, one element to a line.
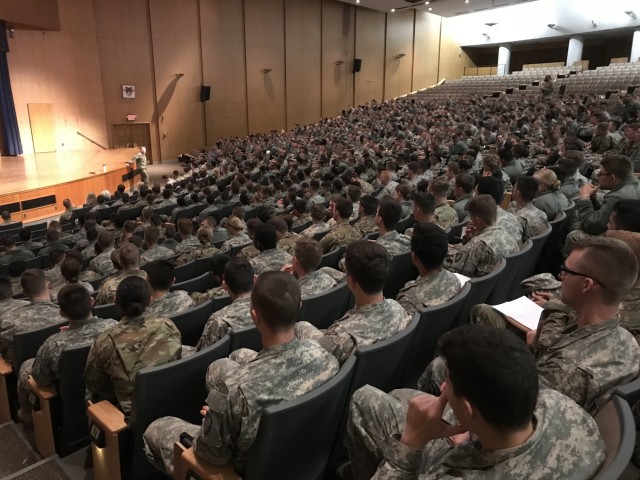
<point>453,59</point>
<point>41,14</point>
<point>426,51</point>
<point>399,40</point>
<point>370,43</point>
<point>223,59</point>
<point>303,37</point>
<point>265,49</point>
<point>338,37</point>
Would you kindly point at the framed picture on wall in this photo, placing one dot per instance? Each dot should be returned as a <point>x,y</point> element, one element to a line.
<point>128,91</point>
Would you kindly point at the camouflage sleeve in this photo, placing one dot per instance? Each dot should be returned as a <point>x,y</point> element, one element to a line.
<point>327,242</point>
<point>407,301</point>
<point>467,259</point>
<point>102,297</point>
<point>402,462</point>
<point>97,380</point>
<point>339,344</point>
<point>214,330</point>
<point>554,318</point>
<point>572,382</point>
<point>43,370</point>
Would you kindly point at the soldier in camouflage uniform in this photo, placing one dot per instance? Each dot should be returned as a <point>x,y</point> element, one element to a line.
<point>136,342</point>
<point>387,217</point>
<point>343,234</point>
<point>40,312</point>
<point>318,224</point>
<point>286,240</point>
<point>102,264</point>
<point>444,214</point>
<point>75,306</point>
<point>270,258</point>
<point>206,249</point>
<point>300,214</point>
<point>163,302</point>
<point>189,243</point>
<point>154,251</point>
<point>366,223</point>
<point>6,292</point>
<point>251,251</point>
<point>435,285</point>
<point>237,236</point>
<point>373,318</point>
<point>580,348</point>
<point>129,258</point>
<point>217,272</point>
<point>238,282</point>
<point>521,433</point>
<point>505,220</point>
<point>487,244</point>
<point>534,221</point>
<point>53,274</point>
<point>285,370</point>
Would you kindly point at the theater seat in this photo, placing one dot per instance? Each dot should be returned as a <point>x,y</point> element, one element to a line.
<point>201,284</point>
<point>331,258</point>
<point>618,430</point>
<point>247,337</point>
<point>109,310</point>
<point>402,271</point>
<point>481,288</point>
<point>191,323</point>
<point>323,309</point>
<point>515,263</point>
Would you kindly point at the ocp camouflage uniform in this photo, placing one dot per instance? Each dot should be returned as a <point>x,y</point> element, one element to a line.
<point>278,373</point>
<point>433,289</point>
<point>16,285</point>
<point>359,327</point>
<point>478,256</point>
<point>269,260</point>
<point>565,444</point>
<point>234,316</point>
<point>102,264</point>
<point>302,219</point>
<point>120,352</point>
<point>30,317</point>
<point>395,243</point>
<point>249,252</point>
<point>629,312</point>
<point>316,282</point>
<point>188,245</point>
<point>366,225</point>
<point>534,220</point>
<point>510,224</point>
<point>171,304</point>
<point>9,304</point>
<point>341,236</point>
<point>45,367</point>
<point>288,242</point>
<point>445,216</point>
<point>157,252</point>
<point>236,241</point>
<point>314,229</point>
<point>107,291</point>
<point>202,252</point>
<point>201,297</point>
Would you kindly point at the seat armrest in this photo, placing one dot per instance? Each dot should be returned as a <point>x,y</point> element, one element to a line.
<point>185,460</point>
<point>5,367</point>
<point>44,393</point>
<point>107,416</point>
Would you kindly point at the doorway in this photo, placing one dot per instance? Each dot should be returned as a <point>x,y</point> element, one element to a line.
<point>127,135</point>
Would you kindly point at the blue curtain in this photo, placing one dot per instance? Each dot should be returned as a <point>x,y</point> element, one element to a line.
<point>10,132</point>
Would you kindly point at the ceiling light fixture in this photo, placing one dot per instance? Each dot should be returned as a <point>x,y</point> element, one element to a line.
<point>393,10</point>
<point>430,8</point>
<point>631,13</point>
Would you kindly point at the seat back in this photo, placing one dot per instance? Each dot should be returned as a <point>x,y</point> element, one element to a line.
<point>332,258</point>
<point>80,212</point>
<point>617,428</point>
<point>515,263</point>
<point>218,303</point>
<point>186,213</point>
<point>247,337</point>
<point>185,272</point>
<point>323,309</point>
<point>405,223</point>
<point>26,344</point>
<point>318,236</point>
<point>530,263</point>
<point>629,391</point>
<point>130,213</point>
<point>552,245</point>
<point>435,321</point>
<point>301,227</point>
<point>481,288</point>
<point>197,284</point>
<point>175,389</point>
<point>109,310</point>
<point>402,271</point>
<point>191,323</point>
<point>69,416</point>
<point>203,265</point>
<point>284,447</point>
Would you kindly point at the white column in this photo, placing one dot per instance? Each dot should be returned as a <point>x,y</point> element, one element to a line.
<point>504,58</point>
<point>574,53</point>
<point>635,47</point>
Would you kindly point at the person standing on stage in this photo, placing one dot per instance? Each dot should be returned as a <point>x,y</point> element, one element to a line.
<point>141,164</point>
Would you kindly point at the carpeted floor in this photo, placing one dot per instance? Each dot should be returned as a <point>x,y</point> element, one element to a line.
<point>15,452</point>
<point>47,470</point>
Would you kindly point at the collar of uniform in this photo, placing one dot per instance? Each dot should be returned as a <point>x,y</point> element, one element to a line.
<point>74,324</point>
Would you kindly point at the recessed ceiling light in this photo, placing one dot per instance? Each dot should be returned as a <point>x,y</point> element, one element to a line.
<point>357,1</point>
<point>426,3</point>
<point>466,1</point>
<point>430,8</point>
<point>393,10</point>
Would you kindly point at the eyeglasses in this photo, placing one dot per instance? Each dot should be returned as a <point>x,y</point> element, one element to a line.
<point>565,270</point>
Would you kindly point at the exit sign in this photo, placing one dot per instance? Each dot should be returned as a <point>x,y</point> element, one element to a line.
<point>131,118</point>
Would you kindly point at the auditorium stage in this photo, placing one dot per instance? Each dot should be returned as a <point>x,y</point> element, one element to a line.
<point>32,187</point>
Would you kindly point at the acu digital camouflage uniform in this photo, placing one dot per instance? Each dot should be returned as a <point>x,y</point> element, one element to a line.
<point>107,291</point>
<point>45,368</point>
<point>102,264</point>
<point>629,312</point>
<point>341,236</point>
<point>433,289</point>
<point>459,206</point>
<point>445,216</point>
<point>188,245</point>
<point>287,242</point>
<point>533,220</point>
<point>156,252</point>
<point>269,260</point>
<point>201,297</point>
<point>54,275</point>
<point>171,304</point>
<point>316,282</point>
<point>276,374</point>
<point>359,327</point>
<point>237,240</point>
<point>120,352</point>
<point>30,317</point>
<point>366,225</point>
<point>565,444</point>
<point>510,224</point>
<point>480,254</point>
<point>395,243</point>
<point>234,316</point>
<point>314,229</point>
<point>9,304</point>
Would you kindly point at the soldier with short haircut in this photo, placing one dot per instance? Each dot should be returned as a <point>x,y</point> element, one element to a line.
<point>534,221</point>
<point>163,302</point>
<point>154,251</point>
<point>251,251</point>
<point>366,223</point>
<point>318,224</point>
<point>12,253</point>
<point>343,233</point>
<point>445,215</point>
<point>189,243</point>
<point>387,217</point>
<point>217,265</point>
<point>270,257</point>
<point>102,264</point>
<point>236,400</point>
<point>129,259</point>
<point>463,192</point>
<point>136,342</point>
<point>206,248</point>
<point>307,256</point>
<point>6,292</point>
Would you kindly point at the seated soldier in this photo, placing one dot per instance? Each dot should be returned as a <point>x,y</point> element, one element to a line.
<point>70,270</point>
<point>270,257</point>
<point>463,191</point>
<point>75,306</point>
<point>534,221</point>
<point>299,212</point>
<point>483,243</point>
<point>206,249</point>
<point>445,215</point>
<point>366,223</point>
<point>505,220</point>
<point>424,208</point>
<point>374,318</point>
<point>237,282</point>
<point>307,256</point>
<point>318,224</point>
<point>237,236</point>
<point>237,398</point>
<point>6,292</point>
<point>128,257</point>
<point>154,251</point>
<point>90,250</point>
<point>163,302</point>
<point>435,285</point>
<point>580,348</point>
<point>343,233</point>
<point>251,251</point>
<point>170,238</point>
<point>286,239</point>
<point>519,431</point>
<point>136,342</point>
<point>53,273</point>
<point>387,217</point>
<point>13,253</point>
<point>216,265</point>
<point>102,263</point>
<point>188,242</point>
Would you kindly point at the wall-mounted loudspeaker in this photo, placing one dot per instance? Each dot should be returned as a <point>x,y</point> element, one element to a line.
<point>357,64</point>
<point>205,93</point>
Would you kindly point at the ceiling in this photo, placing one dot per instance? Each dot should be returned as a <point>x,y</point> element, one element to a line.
<point>444,8</point>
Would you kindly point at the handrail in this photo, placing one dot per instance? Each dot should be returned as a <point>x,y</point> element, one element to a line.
<point>92,141</point>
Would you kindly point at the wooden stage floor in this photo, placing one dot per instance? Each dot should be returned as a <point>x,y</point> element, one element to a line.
<point>61,174</point>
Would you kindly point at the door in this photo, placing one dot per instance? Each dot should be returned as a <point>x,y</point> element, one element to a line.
<point>43,127</point>
<point>126,135</point>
